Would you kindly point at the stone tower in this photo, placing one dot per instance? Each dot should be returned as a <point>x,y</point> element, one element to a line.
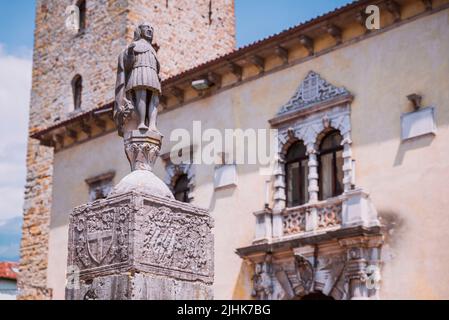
<point>188,33</point>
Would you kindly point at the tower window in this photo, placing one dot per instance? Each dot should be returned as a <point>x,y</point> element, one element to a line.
<point>82,18</point>
<point>77,88</point>
<point>210,12</point>
<point>296,171</point>
<point>331,166</point>
<point>181,189</point>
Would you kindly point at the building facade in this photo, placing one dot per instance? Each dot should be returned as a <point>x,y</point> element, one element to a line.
<point>354,206</point>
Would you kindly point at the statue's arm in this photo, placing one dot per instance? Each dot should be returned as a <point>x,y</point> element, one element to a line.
<point>129,57</point>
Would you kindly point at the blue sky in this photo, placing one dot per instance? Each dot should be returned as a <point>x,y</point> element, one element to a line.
<point>255,19</point>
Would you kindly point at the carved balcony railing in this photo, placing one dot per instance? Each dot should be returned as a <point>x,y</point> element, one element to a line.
<point>351,209</point>
<point>294,220</point>
<point>328,215</point>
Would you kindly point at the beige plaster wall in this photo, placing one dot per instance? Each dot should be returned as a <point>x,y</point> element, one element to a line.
<point>407,180</point>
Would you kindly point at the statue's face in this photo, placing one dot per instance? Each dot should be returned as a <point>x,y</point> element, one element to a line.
<point>146,32</point>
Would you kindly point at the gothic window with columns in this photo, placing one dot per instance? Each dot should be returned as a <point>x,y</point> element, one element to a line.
<point>296,173</point>
<point>318,114</point>
<point>331,165</point>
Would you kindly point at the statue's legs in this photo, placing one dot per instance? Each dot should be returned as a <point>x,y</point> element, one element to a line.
<point>154,102</point>
<point>141,105</point>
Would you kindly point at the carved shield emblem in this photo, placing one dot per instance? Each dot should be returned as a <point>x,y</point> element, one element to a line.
<point>99,244</point>
<point>100,235</point>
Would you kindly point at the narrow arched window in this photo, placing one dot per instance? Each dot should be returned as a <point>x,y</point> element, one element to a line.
<point>296,173</point>
<point>181,188</point>
<point>82,17</point>
<point>77,88</point>
<point>331,165</point>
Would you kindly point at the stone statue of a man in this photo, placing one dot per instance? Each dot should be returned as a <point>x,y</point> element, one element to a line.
<point>138,84</point>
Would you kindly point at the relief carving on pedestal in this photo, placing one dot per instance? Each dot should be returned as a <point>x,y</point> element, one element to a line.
<point>100,236</point>
<point>175,240</point>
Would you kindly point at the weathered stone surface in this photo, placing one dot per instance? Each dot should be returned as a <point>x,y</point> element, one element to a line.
<point>139,287</point>
<point>139,246</point>
<point>143,181</point>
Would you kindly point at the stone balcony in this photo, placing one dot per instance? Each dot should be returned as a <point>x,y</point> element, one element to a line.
<point>351,209</point>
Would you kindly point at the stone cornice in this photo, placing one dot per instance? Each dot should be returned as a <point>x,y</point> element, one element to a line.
<point>245,64</point>
<point>283,244</point>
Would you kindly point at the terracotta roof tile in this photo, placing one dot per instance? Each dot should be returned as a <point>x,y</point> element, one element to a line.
<point>8,270</point>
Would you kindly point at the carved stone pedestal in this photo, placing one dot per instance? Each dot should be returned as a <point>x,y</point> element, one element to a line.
<point>142,148</point>
<point>138,246</point>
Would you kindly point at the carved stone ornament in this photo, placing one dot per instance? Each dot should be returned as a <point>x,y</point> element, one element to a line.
<point>304,276</point>
<point>133,232</point>
<point>311,91</point>
<point>142,150</point>
<point>341,269</point>
<point>262,280</point>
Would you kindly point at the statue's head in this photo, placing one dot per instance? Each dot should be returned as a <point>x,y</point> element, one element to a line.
<point>144,31</point>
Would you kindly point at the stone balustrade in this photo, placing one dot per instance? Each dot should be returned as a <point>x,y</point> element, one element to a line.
<point>351,209</point>
<point>328,215</point>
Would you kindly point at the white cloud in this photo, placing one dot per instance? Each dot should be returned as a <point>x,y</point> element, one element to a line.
<point>15,86</point>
